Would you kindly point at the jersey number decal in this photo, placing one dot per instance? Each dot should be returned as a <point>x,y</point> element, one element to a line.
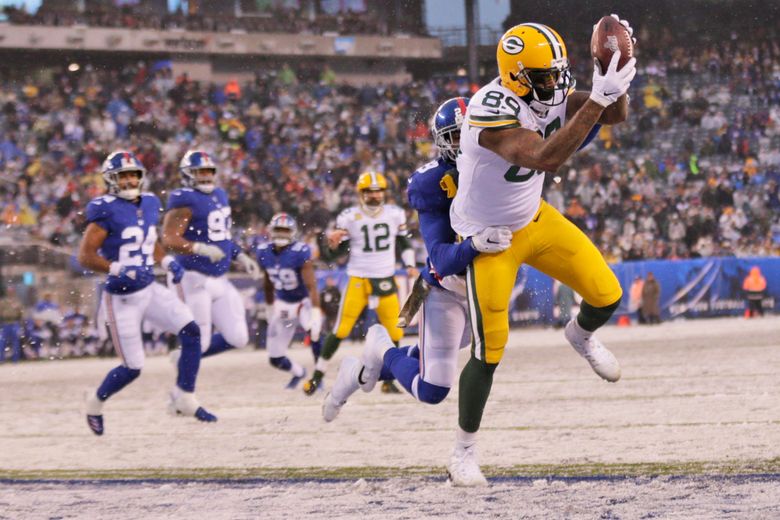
<point>219,225</point>
<point>381,236</point>
<point>447,184</point>
<point>129,252</point>
<point>284,279</point>
<point>511,174</point>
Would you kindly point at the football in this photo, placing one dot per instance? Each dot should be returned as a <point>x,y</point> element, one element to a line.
<point>609,36</point>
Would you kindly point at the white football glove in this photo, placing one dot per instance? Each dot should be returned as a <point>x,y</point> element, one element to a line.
<point>613,83</point>
<point>493,239</point>
<point>212,252</point>
<point>315,318</point>
<point>249,265</point>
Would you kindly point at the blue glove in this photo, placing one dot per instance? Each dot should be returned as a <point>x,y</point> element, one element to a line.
<point>175,268</point>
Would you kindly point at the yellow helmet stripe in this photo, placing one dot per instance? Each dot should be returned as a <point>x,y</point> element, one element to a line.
<point>374,180</point>
<point>555,45</point>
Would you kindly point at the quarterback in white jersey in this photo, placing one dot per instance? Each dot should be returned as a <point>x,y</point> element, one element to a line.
<point>526,122</point>
<point>371,233</point>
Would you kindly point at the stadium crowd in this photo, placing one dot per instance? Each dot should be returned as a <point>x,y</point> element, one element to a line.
<point>693,173</point>
<point>271,19</point>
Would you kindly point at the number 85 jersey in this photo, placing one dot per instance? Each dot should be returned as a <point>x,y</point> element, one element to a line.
<point>491,190</point>
<point>372,240</point>
<point>210,223</point>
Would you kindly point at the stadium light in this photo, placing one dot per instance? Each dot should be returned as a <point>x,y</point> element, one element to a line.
<point>74,67</point>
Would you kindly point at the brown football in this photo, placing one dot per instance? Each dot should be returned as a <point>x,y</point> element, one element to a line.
<point>608,36</point>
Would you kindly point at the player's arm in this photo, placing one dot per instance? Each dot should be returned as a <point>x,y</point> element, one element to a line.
<point>174,225</point>
<point>268,289</point>
<point>310,281</point>
<point>334,244</point>
<point>88,255</point>
<point>615,113</point>
<point>528,149</point>
<point>446,257</point>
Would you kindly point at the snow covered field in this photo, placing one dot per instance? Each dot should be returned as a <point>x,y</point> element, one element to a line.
<point>697,405</point>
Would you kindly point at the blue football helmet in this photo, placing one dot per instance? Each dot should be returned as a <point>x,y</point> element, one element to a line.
<point>282,229</point>
<point>192,162</point>
<point>116,163</point>
<point>445,127</point>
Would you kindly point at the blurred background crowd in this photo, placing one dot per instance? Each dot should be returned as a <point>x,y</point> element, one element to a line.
<point>693,173</point>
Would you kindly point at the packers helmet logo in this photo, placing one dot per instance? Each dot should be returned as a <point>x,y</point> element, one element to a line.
<point>512,45</point>
<point>385,285</point>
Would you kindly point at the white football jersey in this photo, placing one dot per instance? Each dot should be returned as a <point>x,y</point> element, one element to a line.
<point>372,240</point>
<point>492,191</point>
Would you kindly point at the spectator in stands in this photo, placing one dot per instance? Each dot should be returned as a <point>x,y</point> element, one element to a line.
<point>635,298</point>
<point>11,321</point>
<point>651,295</point>
<point>754,287</point>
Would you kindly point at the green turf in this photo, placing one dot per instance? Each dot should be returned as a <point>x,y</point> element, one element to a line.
<point>349,473</point>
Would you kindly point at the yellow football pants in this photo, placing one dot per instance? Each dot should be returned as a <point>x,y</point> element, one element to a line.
<point>355,299</point>
<point>554,246</point>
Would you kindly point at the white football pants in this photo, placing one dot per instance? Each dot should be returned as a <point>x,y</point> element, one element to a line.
<point>444,330</point>
<point>284,320</point>
<point>214,301</point>
<point>123,314</point>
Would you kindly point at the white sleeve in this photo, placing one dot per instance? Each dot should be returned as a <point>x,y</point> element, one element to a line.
<point>342,221</point>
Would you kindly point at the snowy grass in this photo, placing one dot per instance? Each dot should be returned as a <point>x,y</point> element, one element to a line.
<point>696,410</point>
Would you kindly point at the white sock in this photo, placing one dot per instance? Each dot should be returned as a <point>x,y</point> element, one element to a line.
<point>94,405</point>
<point>322,365</point>
<point>579,332</point>
<point>296,369</point>
<point>464,439</point>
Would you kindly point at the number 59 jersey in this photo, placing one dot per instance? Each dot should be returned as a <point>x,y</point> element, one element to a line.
<point>132,233</point>
<point>283,268</point>
<point>372,240</point>
<point>491,190</point>
<point>210,223</point>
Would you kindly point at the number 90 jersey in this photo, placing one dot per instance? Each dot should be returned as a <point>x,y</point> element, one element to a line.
<point>372,240</point>
<point>283,268</point>
<point>210,223</point>
<point>132,233</point>
<point>492,191</point>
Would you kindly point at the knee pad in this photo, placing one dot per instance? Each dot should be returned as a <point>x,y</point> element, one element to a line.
<point>282,363</point>
<point>431,394</point>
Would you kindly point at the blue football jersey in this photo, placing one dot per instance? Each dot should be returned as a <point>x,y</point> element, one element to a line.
<point>132,234</point>
<point>210,223</point>
<point>284,269</point>
<point>431,190</point>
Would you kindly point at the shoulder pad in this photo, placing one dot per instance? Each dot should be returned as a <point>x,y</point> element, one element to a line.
<point>428,189</point>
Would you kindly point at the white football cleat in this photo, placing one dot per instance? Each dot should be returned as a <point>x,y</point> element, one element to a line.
<point>464,469</point>
<point>185,403</point>
<point>601,360</point>
<point>346,384</point>
<point>378,342</point>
